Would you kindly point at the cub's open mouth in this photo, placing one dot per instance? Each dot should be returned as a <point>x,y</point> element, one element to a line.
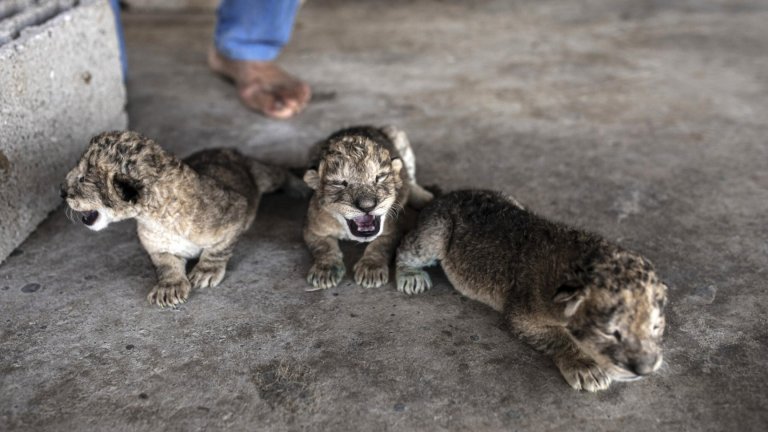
<point>365,225</point>
<point>89,217</point>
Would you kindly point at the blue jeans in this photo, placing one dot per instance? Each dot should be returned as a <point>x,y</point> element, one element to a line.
<point>120,39</point>
<point>245,30</point>
<point>254,29</point>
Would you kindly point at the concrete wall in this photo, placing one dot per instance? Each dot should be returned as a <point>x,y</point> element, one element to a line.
<point>175,5</point>
<point>60,83</point>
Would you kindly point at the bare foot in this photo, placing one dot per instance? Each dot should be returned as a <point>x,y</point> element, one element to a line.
<point>263,86</point>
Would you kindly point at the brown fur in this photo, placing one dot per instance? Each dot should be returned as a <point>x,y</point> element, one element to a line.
<point>184,210</point>
<point>596,308</point>
<point>359,172</point>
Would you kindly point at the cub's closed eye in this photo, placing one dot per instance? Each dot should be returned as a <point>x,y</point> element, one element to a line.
<point>381,177</point>
<point>341,183</point>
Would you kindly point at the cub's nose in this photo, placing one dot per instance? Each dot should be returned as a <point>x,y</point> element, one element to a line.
<point>644,365</point>
<point>366,204</point>
<point>62,191</point>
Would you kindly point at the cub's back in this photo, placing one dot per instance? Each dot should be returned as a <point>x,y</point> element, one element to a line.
<point>227,167</point>
<point>497,245</point>
<point>484,230</point>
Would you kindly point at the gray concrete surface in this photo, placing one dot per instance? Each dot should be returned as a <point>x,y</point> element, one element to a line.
<point>172,5</point>
<point>60,82</point>
<point>643,120</point>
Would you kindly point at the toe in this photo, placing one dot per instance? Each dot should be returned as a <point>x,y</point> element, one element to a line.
<point>216,279</point>
<point>280,101</point>
<point>255,98</point>
<point>272,102</point>
<point>292,98</point>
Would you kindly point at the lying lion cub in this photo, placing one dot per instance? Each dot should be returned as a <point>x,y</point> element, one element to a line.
<point>596,308</point>
<point>360,186</point>
<point>184,210</point>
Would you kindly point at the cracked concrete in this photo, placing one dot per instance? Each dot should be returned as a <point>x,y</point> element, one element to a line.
<point>49,107</point>
<point>643,120</point>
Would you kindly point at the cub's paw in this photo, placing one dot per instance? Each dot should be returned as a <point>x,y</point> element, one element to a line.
<point>170,293</point>
<point>325,275</point>
<point>206,274</point>
<point>412,280</point>
<point>583,374</point>
<point>371,273</point>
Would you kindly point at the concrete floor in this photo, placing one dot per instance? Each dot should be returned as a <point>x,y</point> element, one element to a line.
<point>644,120</point>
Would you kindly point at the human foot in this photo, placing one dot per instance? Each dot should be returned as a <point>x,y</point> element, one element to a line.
<point>263,86</point>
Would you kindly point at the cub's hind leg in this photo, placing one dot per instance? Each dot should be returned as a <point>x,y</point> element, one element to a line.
<point>422,247</point>
<point>418,197</point>
<point>210,269</point>
<point>403,146</point>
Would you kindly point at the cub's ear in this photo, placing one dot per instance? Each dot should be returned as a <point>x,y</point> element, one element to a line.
<point>572,294</point>
<point>312,179</point>
<point>397,165</point>
<point>128,190</point>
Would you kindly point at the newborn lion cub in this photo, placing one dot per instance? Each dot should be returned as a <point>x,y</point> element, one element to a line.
<point>596,308</point>
<point>184,210</point>
<point>360,186</point>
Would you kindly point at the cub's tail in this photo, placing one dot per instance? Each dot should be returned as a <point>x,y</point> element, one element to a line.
<point>419,197</point>
<point>435,190</point>
<point>270,178</point>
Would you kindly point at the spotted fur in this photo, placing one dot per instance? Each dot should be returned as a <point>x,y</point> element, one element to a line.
<point>190,209</point>
<point>593,306</point>
<point>359,174</point>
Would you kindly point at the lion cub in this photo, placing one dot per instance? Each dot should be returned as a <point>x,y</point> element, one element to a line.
<point>364,176</point>
<point>197,208</point>
<point>596,308</point>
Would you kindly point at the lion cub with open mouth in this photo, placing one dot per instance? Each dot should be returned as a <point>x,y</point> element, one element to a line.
<point>596,308</point>
<point>197,208</point>
<point>364,176</point>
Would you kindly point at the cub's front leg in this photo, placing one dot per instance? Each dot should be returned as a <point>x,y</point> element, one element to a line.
<point>582,373</point>
<point>579,370</point>
<point>422,247</point>
<point>372,270</point>
<point>172,286</point>
<point>328,267</point>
